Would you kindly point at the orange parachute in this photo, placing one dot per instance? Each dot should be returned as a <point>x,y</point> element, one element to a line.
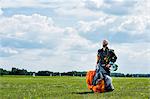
<point>100,87</point>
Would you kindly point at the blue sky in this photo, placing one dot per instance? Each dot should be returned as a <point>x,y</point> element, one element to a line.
<point>64,35</point>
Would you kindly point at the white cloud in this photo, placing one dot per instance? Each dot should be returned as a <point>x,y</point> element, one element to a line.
<point>41,29</point>
<point>133,57</point>
<point>54,43</point>
<point>93,25</point>
<point>79,12</point>
<point>142,7</point>
<point>34,27</point>
<point>1,11</point>
<point>134,25</point>
<point>37,42</point>
<point>138,21</point>
<point>40,3</point>
<point>26,3</point>
<point>111,7</point>
<point>6,51</point>
<point>96,3</point>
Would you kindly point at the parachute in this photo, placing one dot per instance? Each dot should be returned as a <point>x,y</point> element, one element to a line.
<point>100,87</point>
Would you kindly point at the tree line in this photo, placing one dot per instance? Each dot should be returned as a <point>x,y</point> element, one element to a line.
<point>17,71</point>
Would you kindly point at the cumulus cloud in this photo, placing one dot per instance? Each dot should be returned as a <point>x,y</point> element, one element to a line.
<point>114,7</point>
<point>96,24</point>
<point>139,20</point>
<point>37,39</point>
<point>40,3</point>
<point>35,28</point>
<point>129,53</point>
<point>6,51</point>
<point>79,11</point>
<point>134,24</point>
<point>26,3</point>
<point>1,11</point>
<point>142,7</point>
<point>96,4</point>
<point>69,38</point>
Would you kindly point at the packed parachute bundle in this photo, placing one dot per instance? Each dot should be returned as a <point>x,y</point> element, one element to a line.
<point>100,87</point>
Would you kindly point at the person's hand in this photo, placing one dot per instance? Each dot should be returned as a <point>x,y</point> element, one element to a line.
<point>108,65</point>
<point>96,66</point>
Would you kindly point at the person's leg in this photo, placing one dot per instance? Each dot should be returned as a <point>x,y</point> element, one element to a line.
<point>98,76</point>
<point>108,83</point>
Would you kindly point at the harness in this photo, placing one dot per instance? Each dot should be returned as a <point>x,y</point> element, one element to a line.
<point>104,58</point>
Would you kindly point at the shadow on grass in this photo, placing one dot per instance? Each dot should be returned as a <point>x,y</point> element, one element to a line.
<point>87,92</point>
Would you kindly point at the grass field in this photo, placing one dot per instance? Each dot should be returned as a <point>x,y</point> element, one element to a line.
<point>18,87</point>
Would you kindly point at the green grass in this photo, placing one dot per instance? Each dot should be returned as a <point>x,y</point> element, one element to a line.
<point>18,87</point>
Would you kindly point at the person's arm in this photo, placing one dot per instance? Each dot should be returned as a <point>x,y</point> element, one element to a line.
<point>113,59</point>
<point>98,58</point>
<point>113,56</point>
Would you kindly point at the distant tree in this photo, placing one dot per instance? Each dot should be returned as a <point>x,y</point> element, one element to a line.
<point>56,74</point>
<point>14,71</point>
<point>17,71</point>
<point>4,72</point>
<point>117,75</point>
<point>1,71</point>
<point>44,73</point>
<point>128,75</point>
